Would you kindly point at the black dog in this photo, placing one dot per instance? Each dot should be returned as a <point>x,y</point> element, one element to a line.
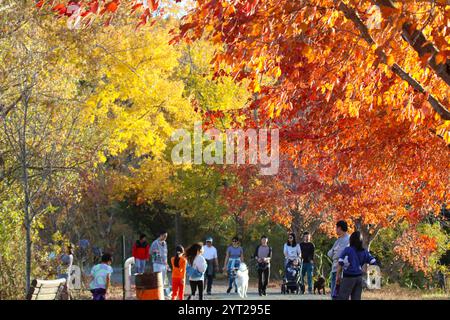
<point>319,284</point>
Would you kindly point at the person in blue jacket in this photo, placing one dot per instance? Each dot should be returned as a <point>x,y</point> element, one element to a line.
<point>349,272</point>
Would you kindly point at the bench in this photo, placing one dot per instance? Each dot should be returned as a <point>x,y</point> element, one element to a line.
<point>46,289</point>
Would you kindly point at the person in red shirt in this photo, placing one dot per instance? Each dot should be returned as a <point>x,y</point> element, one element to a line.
<point>178,274</point>
<point>141,253</point>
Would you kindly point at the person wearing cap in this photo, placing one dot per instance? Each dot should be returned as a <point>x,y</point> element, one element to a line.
<point>210,255</point>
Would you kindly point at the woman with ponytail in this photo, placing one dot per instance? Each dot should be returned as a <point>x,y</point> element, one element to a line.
<point>178,273</point>
<point>196,269</point>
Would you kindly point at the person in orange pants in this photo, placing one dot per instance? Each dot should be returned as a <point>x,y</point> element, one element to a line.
<point>178,274</point>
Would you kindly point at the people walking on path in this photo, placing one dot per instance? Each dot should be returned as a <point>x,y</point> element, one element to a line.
<point>101,277</point>
<point>210,255</point>
<point>64,270</point>
<point>263,254</point>
<point>339,245</point>
<point>158,251</point>
<point>291,249</point>
<point>141,253</point>
<point>307,249</point>
<point>350,263</point>
<point>178,273</point>
<point>196,269</point>
<point>233,258</point>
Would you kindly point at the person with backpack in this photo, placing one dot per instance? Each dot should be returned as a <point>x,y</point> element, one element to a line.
<point>196,269</point>
<point>141,253</point>
<point>350,264</point>
<point>178,273</point>
<point>263,254</point>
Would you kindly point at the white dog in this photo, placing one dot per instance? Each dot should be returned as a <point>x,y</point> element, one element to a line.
<point>242,280</point>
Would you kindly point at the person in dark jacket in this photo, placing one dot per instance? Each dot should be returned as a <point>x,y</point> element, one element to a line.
<point>141,253</point>
<point>263,254</point>
<point>307,248</point>
<point>350,264</point>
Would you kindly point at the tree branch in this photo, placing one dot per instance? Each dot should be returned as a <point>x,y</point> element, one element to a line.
<point>419,42</point>
<point>354,17</point>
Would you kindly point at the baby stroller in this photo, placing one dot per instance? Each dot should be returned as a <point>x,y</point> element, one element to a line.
<point>292,277</point>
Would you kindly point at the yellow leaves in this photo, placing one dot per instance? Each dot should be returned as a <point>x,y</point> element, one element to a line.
<point>139,102</point>
<point>260,65</point>
<point>274,111</point>
<point>441,57</point>
<point>417,117</point>
<point>390,60</point>
<point>443,127</point>
<point>308,52</point>
<point>446,137</point>
<point>277,72</point>
<point>353,109</point>
<point>349,90</point>
<point>271,110</point>
<point>228,8</point>
<point>101,157</point>
<point>340,105</point>
<point>209,28</point>
<point>443,130</point>
<point>328,88</point>
<point>331,20</point>
<point>256,86</point>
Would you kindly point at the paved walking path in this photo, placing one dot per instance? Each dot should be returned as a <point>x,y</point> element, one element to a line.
<point>274,293</point>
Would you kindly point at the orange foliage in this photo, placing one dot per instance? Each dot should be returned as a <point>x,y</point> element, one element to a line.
<point>415,249</point>
<point>363,112</point>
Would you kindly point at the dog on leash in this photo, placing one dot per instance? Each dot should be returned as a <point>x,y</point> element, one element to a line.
<point>242,280</point>
<point>319,285</point>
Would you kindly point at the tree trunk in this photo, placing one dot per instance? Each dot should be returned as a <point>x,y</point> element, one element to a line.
<point>296,223</point>
<point>28,258</point>
<point>178,235</point>
<point>239,227</point>
<point>28,219</point>
<point>368,232</point>
<point>366,241</point>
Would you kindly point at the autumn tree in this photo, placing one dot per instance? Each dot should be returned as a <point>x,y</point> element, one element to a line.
<point>41,145</point>
<point>358,90</point>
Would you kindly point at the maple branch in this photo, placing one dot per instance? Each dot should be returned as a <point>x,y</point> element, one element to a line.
<point>419,42</point>
<point>354,17</point>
